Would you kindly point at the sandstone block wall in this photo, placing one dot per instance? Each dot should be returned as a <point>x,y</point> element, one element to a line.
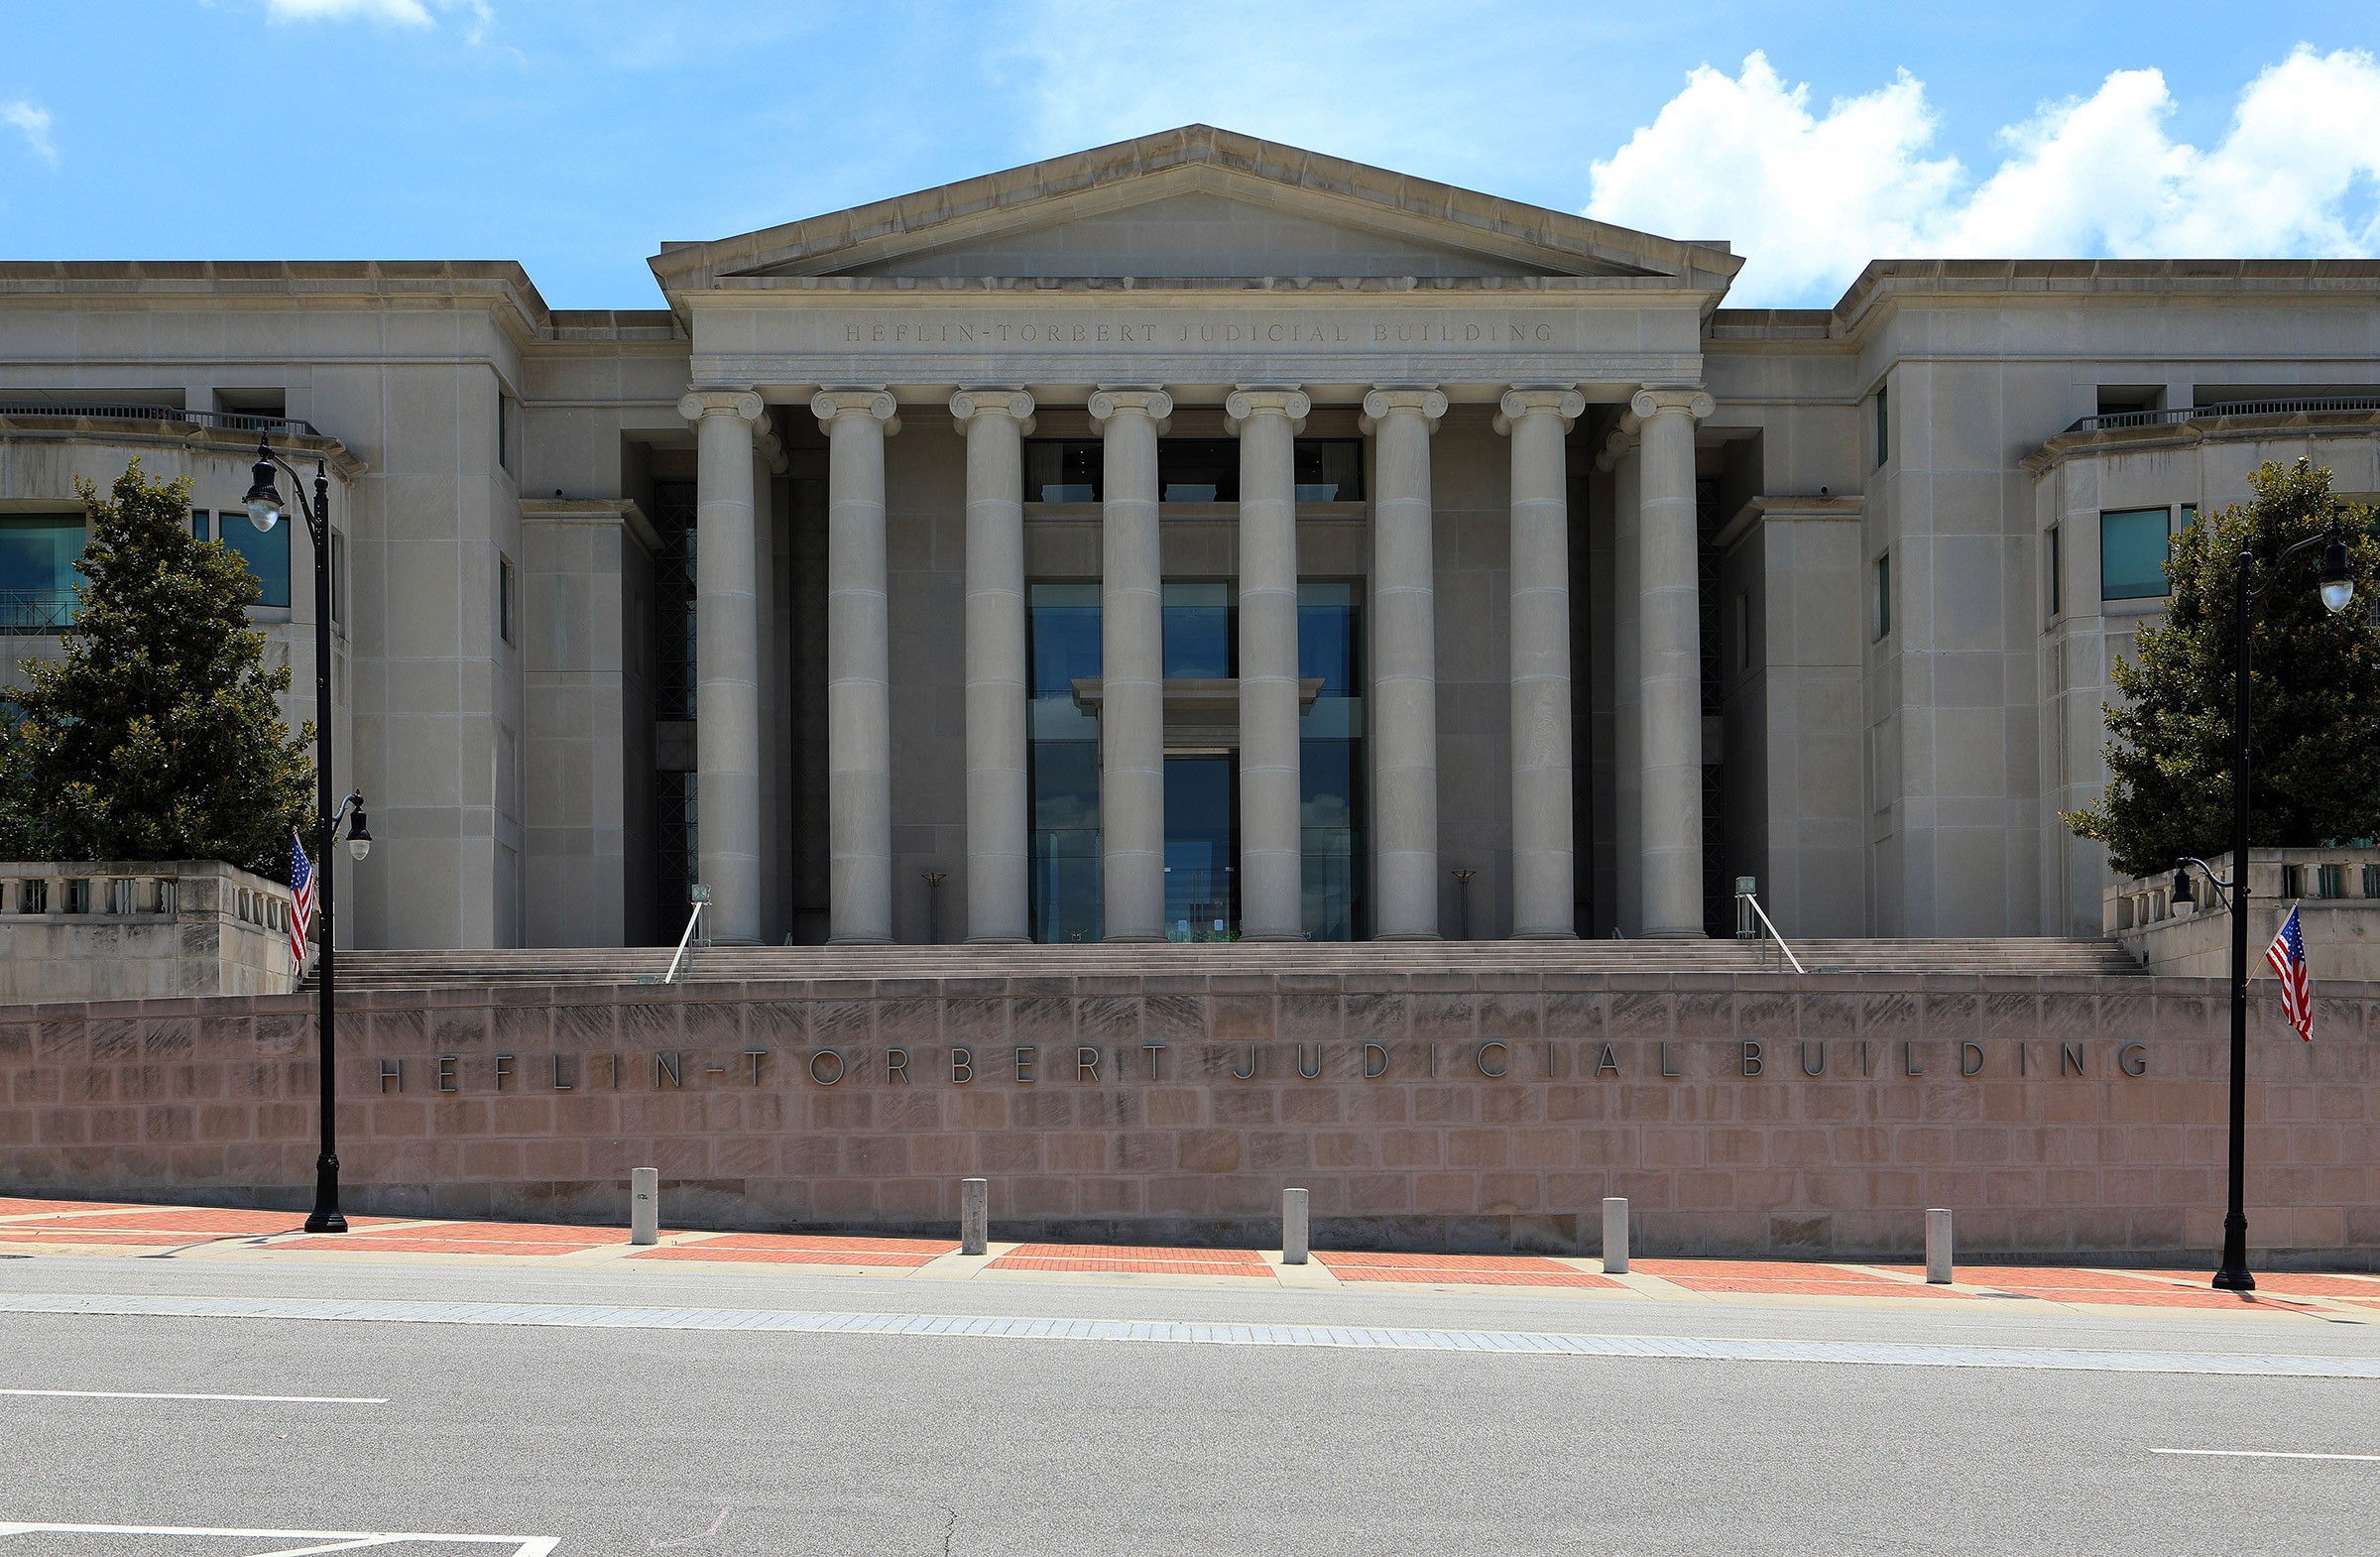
<point>1745,1115</point>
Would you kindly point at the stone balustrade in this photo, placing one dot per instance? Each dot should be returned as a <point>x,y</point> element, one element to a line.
<point>2337,891</point>
<point>114,929</point>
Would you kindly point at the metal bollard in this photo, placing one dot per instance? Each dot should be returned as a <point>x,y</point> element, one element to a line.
<point>1937,1247</point>
<point>1293,1227</point>
<point>1616,1236</point>
<point>644,1205</point>
<point>974,1215</point>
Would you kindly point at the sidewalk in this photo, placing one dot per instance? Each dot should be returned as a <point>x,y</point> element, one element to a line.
<point>61,1227</point>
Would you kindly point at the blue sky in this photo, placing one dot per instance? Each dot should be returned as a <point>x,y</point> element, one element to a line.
<point>576,135</point>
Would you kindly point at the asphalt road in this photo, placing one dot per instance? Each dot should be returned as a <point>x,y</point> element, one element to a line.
<point>720,1444</point>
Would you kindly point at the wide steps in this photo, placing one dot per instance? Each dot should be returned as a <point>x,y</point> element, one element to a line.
<point>755,964</point>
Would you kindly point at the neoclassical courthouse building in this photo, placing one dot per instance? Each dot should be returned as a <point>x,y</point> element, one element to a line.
<point>1197,538</point>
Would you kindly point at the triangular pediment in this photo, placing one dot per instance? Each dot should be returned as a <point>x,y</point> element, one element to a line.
<point>1190,204</point>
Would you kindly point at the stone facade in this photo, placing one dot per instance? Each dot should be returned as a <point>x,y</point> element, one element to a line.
<point>2337,892</point>
<point>1656,592</point>
<point>2077,1119</point>
<point>116,929</point>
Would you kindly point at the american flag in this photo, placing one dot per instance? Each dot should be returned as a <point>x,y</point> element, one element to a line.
<point>2287,955</point>
<point>301,897</point>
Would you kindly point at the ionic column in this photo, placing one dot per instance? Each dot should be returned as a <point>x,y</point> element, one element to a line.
<point>1670,651</point>
<point>1543,899</point>
<point>1271,800</point>
<point>859,656</point>
<point>726,697</point>
<point>994,422</point>
<point>1403,716</point>
<point>1132,644</point>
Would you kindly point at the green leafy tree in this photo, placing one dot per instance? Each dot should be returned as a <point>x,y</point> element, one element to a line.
<point>156,737</point>
<point>2314,743</point>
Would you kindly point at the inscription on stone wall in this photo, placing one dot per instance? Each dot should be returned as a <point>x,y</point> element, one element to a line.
<point>1095,330</point>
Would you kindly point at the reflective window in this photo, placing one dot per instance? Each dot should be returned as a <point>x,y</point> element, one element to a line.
<point>37,570</point>
<point>1063,765</point>
<point>1057,472</point>
<point>1202,857</point>
<point>1330,470</point>
<point>1200,631</point>
<point>2132,554</point>
<point>1331,758</point>
<point>267,554</point>
<point>1192,470</point>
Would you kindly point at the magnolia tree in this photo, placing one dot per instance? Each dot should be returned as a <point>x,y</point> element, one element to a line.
<point>2314,744</point>
<point>156,736</point>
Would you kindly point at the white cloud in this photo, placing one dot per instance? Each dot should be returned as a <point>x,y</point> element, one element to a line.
<point>33,121</point>
<point>1810,198</point>
<point>397,13</point>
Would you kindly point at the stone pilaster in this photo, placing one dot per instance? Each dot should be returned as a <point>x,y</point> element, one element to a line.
<point>726,728</point>
<point>859,714</point>
<point>1543,896</point>
<point>1403,711</point>
<point>1669,638</point>
<point>999,858</point>
<point>1131,736</point>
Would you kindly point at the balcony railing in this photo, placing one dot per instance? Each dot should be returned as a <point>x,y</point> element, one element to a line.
<point>36,609</point>
<point>2233,408</point>
<point>216,421</point>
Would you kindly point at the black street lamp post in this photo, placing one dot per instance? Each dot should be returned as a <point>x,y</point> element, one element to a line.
<point>265,509</point>
<point>2337,586</point>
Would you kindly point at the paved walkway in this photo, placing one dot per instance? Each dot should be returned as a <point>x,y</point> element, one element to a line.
<point>63,1226</point>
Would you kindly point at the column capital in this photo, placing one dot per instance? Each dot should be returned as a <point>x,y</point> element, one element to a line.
<point>1530,400</point>
<point>1014,404</point>
<point>1651,403</point>
<point>828,405</point>
<point>1105,403</point>
<point>769,449</point>
<point>1259,399</point>
<point>1385,399</point>
<point>721,399</point>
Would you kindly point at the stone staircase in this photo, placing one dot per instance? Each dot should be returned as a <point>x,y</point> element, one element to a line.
<point>1373,959</point>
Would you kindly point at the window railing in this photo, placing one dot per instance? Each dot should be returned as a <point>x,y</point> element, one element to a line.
<point>218,420</point>
<point>36,609</point>
<point>2234,407</point>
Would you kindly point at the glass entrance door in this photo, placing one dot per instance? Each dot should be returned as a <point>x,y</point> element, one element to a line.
<point>1202,848</point>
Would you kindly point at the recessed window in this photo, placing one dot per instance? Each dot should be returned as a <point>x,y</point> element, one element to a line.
<point>338,581</point>
<point>2132,551</point>
<point>37,570</point>
<point>1743,630</point>
<point>504,598</point>
<point>1884,594</point>
<point>2053,553</point>
<point>199,522</point>
<point>266,551</point>
<point>1884,425</point>
<point>1192,470</point>
<point>503,430</point>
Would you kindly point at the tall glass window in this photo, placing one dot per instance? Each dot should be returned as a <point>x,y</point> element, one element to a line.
<point>1202,631</point>
<point>1192,470</point>
<point>2132,554</point>
<point>266,551</point>
<point>37,570</point>
<point>1330,757</point>
<point>1063,765</point>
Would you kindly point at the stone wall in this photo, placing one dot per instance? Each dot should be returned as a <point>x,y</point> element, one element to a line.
<point>116,929</point>
<point>2065,1118</point>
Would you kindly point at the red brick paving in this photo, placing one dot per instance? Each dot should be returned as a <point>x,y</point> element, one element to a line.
<point>1459,1270</point>
<point>59,1236</point>
<point>929,1246</point>
<point>428,1246</point>
<point>1124,1264</point>
<point>747,1255</point>
<point>12,1205</point>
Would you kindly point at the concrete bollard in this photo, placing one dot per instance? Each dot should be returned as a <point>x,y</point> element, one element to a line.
<point>1293,1227</point>
<point>1616,1236</point>
<point>974,1215</point>
<point>1937,1247</point>
<point>644,1205</point>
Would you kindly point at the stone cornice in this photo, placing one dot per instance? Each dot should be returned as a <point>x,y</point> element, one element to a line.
<point>113,432</point>
<point>1844,510</point>
<point>2206,430</point>
<point>622,511</point>
<point>2005,281</point>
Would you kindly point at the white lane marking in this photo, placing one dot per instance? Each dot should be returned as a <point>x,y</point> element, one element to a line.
<point>2268,1454</point>
<point>1698,1349</point>
<point>159,1394</point>
<point>341,1540</point>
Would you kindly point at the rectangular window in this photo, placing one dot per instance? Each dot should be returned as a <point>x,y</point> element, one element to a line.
<point>1883,426</point>
<point>1743,630</point>
<point>2332,882</point>
<point>37,570</point>
<point>504,598</point>
<point>199,522</point>
<point>338,580</point>
<point>2132,554</point>
<point>1201,631</point>
<point>2056,565</point>
<point>1331,761</point>
<point>1063,781</point>
<point>2371,880</point>
<point>504,430</point>
<point>267,554</point>
<point>1192,470</point>
<point>2190,516</point>
<point>1884,594</point>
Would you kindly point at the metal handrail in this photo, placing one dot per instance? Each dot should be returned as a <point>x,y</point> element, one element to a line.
<point>692,919</point>
<point>2235,408</point>
<point>37,610</point>
<point>1752,899</point>
<point>218,420</point>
